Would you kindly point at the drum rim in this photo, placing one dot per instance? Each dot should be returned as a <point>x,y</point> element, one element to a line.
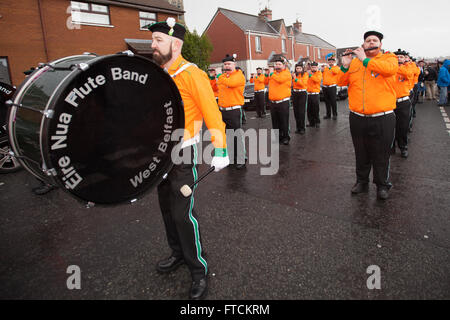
<point>51,105</point>
<point>18,96</point>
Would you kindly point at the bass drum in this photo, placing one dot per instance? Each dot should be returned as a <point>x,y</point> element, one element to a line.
<point>99,127</point>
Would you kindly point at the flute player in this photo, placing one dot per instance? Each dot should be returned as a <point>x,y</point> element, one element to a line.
<point>372,99</point>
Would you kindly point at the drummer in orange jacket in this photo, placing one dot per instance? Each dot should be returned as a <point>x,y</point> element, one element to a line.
<point>330,73</point>
<point>213,82</point>
<point>260,88</point>
<point>372,100</point>
<point>299,85</point>
<point>313,88</point>
<point>231,100</point>
<point>280,83</point>
<point>180,219</point>
<point>403,110</point>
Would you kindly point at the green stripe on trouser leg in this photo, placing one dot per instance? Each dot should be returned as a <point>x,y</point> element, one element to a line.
<point>191,217</point>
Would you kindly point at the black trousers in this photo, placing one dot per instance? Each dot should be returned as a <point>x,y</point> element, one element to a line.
<point>280,118</point>
<point>330,100</point>
<point>300,109</point>
<point>402,113</point>
<point>235,137</point>
<point>260,100</point>
<point>373,139</point>
<point>180,218</point>
<point>313,109</point>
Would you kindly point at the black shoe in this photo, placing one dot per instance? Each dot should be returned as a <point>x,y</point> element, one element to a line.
<point>317,125</point>
<point>334,117</point>
<point>310,125</point>
<point>404,154</point>
<point>199,289</point>
<point>43,189</point>
<point>170,264</point>
<point>382,193</point>
<point>327,117</point>
<point>302,131</point>
<point>360,187</point>
<point>241,166</point>
<point>285,142</point>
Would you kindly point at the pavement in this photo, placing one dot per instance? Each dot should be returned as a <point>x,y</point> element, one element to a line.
<point>295,235</point>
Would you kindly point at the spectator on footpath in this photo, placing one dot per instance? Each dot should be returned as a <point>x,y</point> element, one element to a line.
<point>443,83</point>
<point>430,77</point>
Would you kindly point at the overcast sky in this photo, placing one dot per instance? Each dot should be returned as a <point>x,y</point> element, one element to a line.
<point>421,27</point>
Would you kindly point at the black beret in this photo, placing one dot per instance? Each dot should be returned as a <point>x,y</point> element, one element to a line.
<point>280,59</point>
<point>259,68</point>
<point>229,58</point>
<point>400,52</point>
<point>169,27</point>
<point>314,64</point>
<point>373,33</point>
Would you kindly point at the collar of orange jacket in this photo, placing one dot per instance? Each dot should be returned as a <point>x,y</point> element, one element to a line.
<point>177,64</point>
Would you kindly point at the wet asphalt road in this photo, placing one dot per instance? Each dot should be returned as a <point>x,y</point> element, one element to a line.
<point>295,235</point>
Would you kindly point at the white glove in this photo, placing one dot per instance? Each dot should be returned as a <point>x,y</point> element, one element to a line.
<point>220,162</point>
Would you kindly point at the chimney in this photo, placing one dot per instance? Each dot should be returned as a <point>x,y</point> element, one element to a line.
<point>298,26</point>
<point>266,13</point>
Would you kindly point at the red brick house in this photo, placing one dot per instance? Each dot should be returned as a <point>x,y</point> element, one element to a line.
<point>45,30</point>
<point>256,38</point>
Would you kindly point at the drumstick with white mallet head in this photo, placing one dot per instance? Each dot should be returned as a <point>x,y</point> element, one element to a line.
<point>187,190</point>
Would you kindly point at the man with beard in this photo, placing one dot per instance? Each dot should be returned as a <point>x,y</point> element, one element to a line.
<point>403,109</point>
<point>279,95</point>
<point>231,100</point>
<point>260,89</point>
<point>372,100</point>
<point>180,219</point>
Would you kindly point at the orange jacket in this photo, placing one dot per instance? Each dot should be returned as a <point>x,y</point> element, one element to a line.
<point>330,75</point>
<point>371,83</point>
<point>214,86</point>
<point>416,70</point>
<point>280,85</point>
<point>402,81</point>
<point>231,89</point>
<point>314,82</point>
<point>199,103</point>
<point>300,82</point>
<point>259,81</point>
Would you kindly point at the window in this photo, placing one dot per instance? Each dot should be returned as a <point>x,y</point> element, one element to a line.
<point>146,18</point>
<point>4,70</point>
<point>307,51</point>
<point>258,44</point>
<point>283,45</point>
<point>318,53</point>
<point>89,13</point>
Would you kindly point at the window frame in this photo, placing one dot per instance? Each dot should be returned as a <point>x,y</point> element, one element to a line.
<point>258,42</point>
<point>283,46</point>
<point>146,19</point>
<point>91,11</point>
<point>8,68</point>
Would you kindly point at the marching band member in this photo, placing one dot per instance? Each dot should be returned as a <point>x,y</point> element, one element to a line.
<point>180,220</point>
<point>279,95</point>
<point>231,100</point>
<point>313,88</point>
<point>329,87</point>
<point>260,89</point>
<point>299,85</point>
<point>403,109</point>
<point>213,82</point>
<point>372,100</point>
